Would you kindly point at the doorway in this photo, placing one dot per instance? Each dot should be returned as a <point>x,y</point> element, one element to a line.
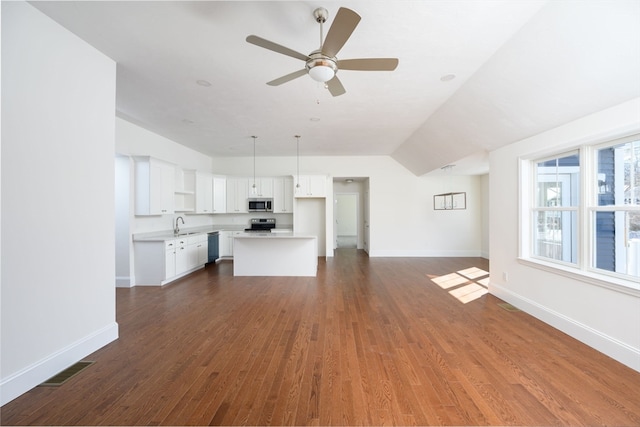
<point>346,220</point>
<point>351,213</point>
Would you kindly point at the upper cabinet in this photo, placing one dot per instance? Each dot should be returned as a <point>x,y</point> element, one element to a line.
<point>263,188</point>
<point>204,193</point>
<point>283,195</point>
<point>185,190</point>
<point>311,186</point>
<point>237,193</point>
<point>154,186</point>
<point>219,194</point>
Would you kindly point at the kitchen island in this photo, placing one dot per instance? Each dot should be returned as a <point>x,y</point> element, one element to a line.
<point>275,254</point>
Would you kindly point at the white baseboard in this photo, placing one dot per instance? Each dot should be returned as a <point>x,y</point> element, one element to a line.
<point>123,282</point>
<point>423,253</point>
<point>610,346</point>
<point>29,377</point>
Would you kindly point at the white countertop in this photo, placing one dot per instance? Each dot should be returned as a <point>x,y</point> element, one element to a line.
<point>164,235</point>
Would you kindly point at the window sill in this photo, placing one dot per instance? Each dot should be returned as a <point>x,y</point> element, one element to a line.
<point>616,284</point>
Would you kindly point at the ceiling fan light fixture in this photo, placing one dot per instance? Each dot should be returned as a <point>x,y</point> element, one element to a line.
<point>322,73</point>
<point>321,69</point>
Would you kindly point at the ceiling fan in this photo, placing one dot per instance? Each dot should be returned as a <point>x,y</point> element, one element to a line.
<point>322,64</point>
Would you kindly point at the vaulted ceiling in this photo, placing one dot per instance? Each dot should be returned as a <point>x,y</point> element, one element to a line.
<point>519,68</point>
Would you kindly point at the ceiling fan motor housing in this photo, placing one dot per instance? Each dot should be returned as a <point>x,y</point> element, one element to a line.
<point>321,68</point>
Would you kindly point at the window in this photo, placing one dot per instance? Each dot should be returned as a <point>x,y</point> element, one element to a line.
<point>592,227</point>
<point>556,208</point>
<point>615,213</point>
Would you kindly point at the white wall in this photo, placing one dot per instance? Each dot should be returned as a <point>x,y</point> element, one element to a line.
<point>484,183</point>
<point>606,319</point>
<point>58,297</point>
<point>346,207</point>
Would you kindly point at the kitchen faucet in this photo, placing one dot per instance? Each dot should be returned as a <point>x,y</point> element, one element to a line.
<point>176,230</point>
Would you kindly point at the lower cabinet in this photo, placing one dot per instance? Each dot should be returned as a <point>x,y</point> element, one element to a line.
<point>169,259</point>
<point>160,262</point>
<point>202,249</point>
<point>226,243</point>
<point>182,256</point>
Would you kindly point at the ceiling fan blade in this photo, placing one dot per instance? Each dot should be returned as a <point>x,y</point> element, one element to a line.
<point>288,77</point>
<point>345,22</point>
<point>259,41</point>
<point>335,87</point>
<point>368,64</point>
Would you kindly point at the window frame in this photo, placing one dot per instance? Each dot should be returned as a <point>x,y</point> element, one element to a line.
<point>587,206</point>
<point>535,208</point>
<point>592,206</point>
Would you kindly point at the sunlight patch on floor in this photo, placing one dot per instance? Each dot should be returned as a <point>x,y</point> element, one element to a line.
<point>484,282</point>
<point>473,272</point>
<point>465,285</point>
<point>469,292</point>
<point>449,281</point>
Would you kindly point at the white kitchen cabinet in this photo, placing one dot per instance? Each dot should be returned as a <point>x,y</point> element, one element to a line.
<point>311,186</point>
<point>197,192</point>
<point>201,242</point>
<point>237,192</point>
<point>191,253</point>
<point>196,248</point>
<point>185,185</point>
<point>159,262</point>
<point>154,186</point>
<point>155,262</point>
<point>182,255</point>
<point>264,187</point>
<point>283,195</point>
<point>219,194</point>
<point>204,193</point>
<point>169,259</point>
<point>225,242</point>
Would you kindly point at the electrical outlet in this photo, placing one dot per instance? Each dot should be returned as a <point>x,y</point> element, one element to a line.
<point>505,276</point>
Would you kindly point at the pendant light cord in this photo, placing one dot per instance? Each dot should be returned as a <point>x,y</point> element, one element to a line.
<point>254,161</point>
<point>298,159</point>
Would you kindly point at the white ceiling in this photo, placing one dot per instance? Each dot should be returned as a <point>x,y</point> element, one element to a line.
<point>521,67</point>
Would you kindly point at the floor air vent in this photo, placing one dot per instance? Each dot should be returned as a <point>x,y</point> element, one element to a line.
<point>64,376</point>
<point>508,307</point>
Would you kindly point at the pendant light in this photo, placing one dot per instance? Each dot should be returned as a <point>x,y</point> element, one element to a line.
<point>450,200</point>
<point>254,190</point>
<point>297,137</point>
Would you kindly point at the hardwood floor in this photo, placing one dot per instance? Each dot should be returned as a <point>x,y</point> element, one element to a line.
<point>367,342</point>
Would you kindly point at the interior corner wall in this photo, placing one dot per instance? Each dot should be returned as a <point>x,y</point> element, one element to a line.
<point>58,262</point>
<point>606,319</point>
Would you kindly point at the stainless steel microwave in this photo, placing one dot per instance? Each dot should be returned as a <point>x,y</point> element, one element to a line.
<point>260,205</point>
